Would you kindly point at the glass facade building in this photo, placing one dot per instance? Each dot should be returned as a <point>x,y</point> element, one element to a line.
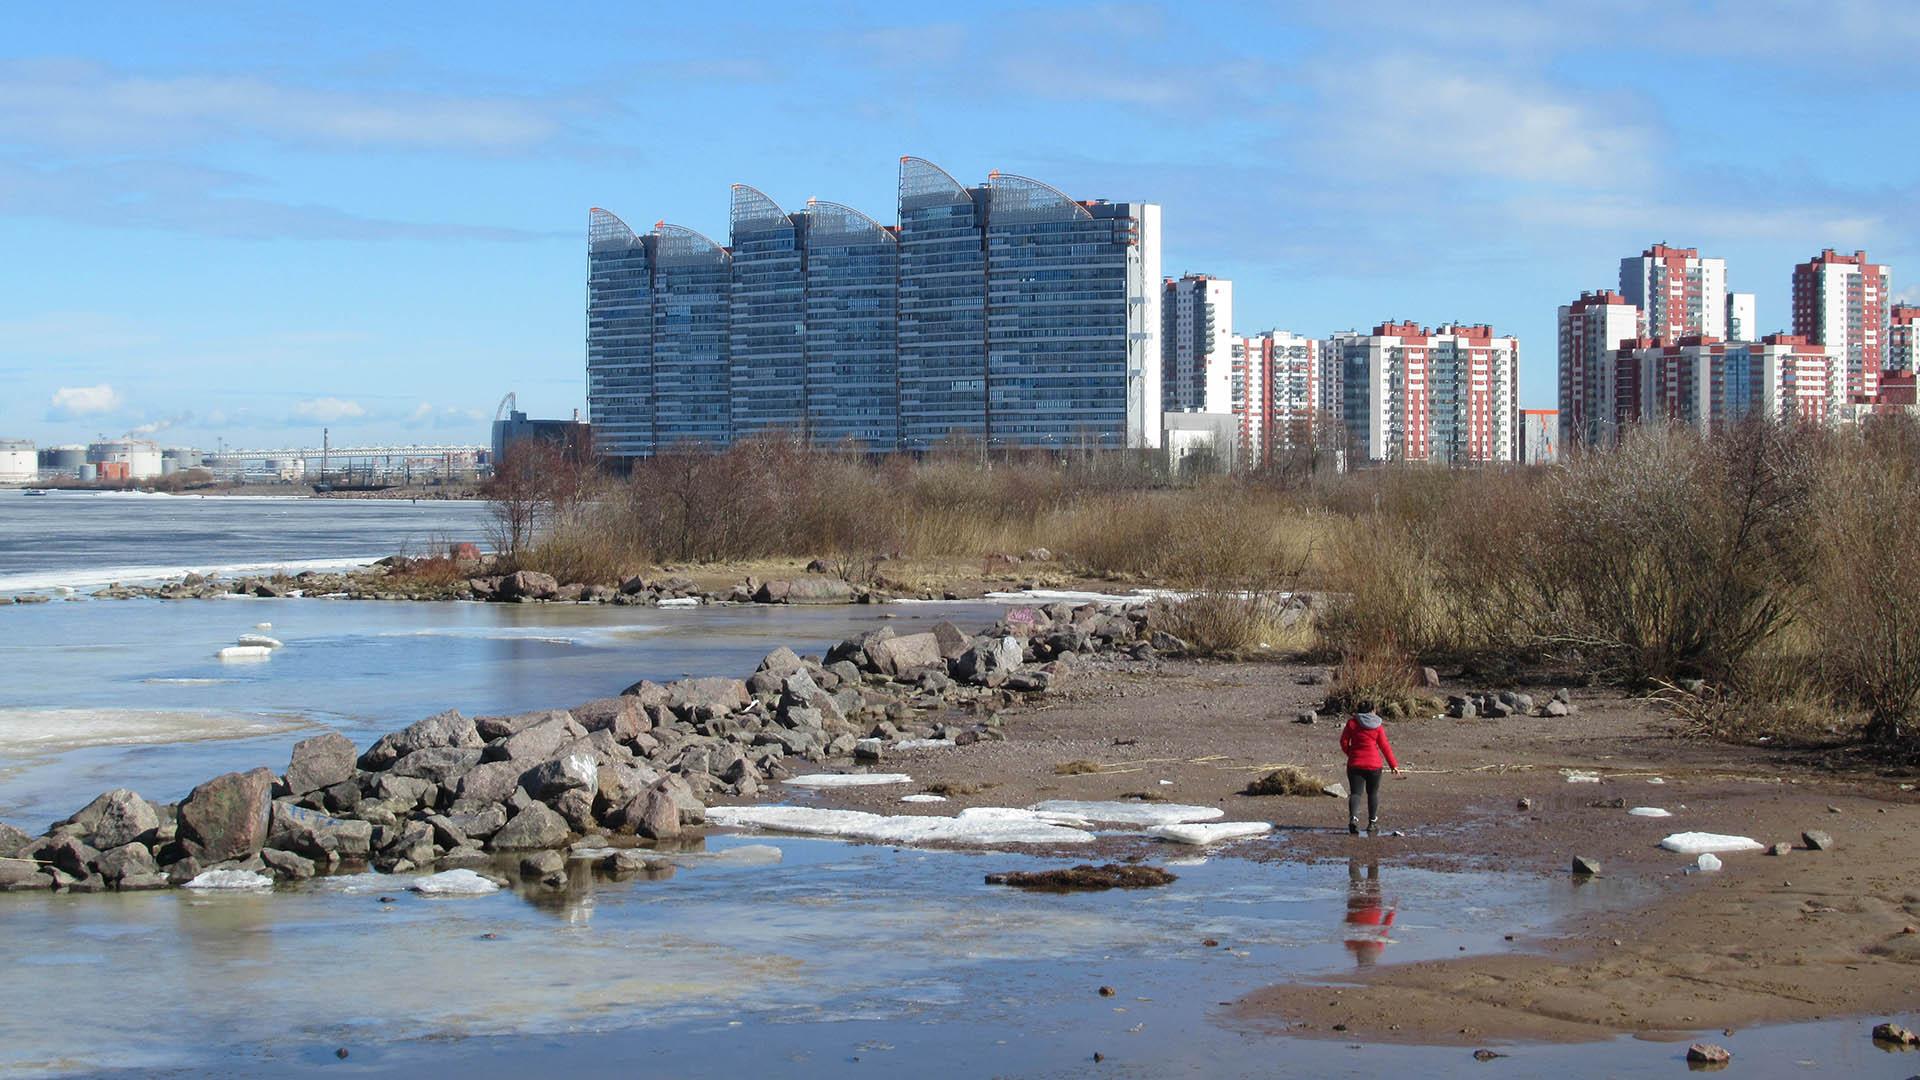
<point>767,332</point>
<point>1006,313</point>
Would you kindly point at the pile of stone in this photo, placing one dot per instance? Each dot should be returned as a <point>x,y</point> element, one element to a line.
<point>1499,704</point>
<point>451,792</point>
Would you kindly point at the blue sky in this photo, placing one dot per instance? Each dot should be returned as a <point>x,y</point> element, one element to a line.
<point>249,221</point>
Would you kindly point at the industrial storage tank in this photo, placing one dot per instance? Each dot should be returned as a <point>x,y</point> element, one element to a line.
<point>62,460</point>
<point>175,458</point>
<point>141,457</point>
<point>18,462</point>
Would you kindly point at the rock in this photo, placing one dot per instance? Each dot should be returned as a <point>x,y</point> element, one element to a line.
<point>1708,1054</point>
<point>1487,1055</point>
<point>623,716</point>
<point>1305,717</point>
<point>988,660</point>
<point>540,864</point>
<point>951,640</point>
<point>1524,804</point>
<point>1584,866</point>
<point>12,841</point>
<point>1780,848</point>
<point>568,772</point>
<point>143,882</point>
<point>576,806</point>
<point>478,824</point>
<point>659,816</point>
<point>869,749</point>
<point>538,826</point>
<point>126,859</point>
<point>1555,708</point>
<point>68,854</point>
<point>23,875</point>
<point>442,765</point>
<point>1164,642</point>
<point>713,696</point>
<point>1085,877</point>
<point>226,817</point>
<point>818,589</point>
<point>441,729</point>
<point>320,762</point>
<point>1336,790</point>
<point>494,728</point>
<point>1429,679</point>
<point>1816,840</point>
<point>317,835</point>
<point>490,781</point>
<point>1894,1033</point>
<point>782,661</point>
<point>117,817</point>
<point>907,652</point>
<point>528,585</point>
<point>405,793</point>
<point>539,741</point>
<point>446,834</point>
<point>287,864</point>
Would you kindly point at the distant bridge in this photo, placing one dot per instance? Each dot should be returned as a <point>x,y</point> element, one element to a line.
<point>348,453</point>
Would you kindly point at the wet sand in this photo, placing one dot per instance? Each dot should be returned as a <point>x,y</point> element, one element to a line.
<point>1769,939</point>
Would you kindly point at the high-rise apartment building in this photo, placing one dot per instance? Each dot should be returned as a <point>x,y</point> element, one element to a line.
<point>1276,394</point>
<point>1709,384</point>
<point>1197,344</point>
<point>1006,313</point>
<point>1841,301</point>
<point>1743,321</point>
<point>1591,329</point>
<point>1679,294</point>
<point>1446,395</point>
<point>1903,338</point>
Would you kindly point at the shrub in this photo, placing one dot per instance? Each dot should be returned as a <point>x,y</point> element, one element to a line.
<point>1381,677</point>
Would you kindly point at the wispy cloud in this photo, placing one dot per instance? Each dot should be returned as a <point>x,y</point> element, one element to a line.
<point>75,402</point>
<point>155,427</point>
<point>84,105</point>
<point>329,410</point>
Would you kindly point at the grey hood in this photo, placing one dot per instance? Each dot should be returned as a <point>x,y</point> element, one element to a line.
<point>1369,720</point>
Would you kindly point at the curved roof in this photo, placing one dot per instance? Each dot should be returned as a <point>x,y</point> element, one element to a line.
<point>752,210</point>
<point>677,243</point>
<point>605,229</point>
<point>927,184</point>
<point>843,222</point>
<point>1022,198</point>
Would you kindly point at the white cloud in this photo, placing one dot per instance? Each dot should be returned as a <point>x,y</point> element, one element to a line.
<point>71,402</point>
<point>420,413</point>
<point>328,410</point>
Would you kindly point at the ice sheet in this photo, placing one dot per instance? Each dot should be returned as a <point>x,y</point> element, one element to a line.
<point>261,640</point>
<point>1005,826</point>
<point>1649,811</point>
<point>1070,596</point>
<point>922,744</point>
<point>1214,833</point>
<point>1694,843</point>
<point>833,780</point>
<point>1575,776</point>
<point>679,601</point>
<point>461,882</point>
<point>1128,813</point>
<point>244,652</point>
<point>230,879</point>
<point>91,577</point>
<point>923,798</point>
<point>30,731</point>
<point>1707,861</point>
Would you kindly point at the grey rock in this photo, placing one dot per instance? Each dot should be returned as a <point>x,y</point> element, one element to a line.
<point>712,695</point>
<point>528,585</point>
<point>621,782</point>
<point>126,859</point>
<point>1555,708</point>
<point>659,816</point>
<point>491,781</point>
<point>442,765</point>
<point>542,863</point>
<point>446,834</point>
<point>494,728</point>
<point>1781,848</point>
<point>117,817</point>
<point>478,824</point>
<point>576,806</point>
<point>819,589</point>
<point>143,882</point>
<point>286,864</point>
<point>12,841</point>
<point>782,661</point>
<point>538,826</point>
<point>20,875</point>
<point>1305,716</point>
<point>624,717</point>
<point>537,742</point>
<point>68,853</point>
<point>406,792</point>
<point>320,762</point>
<point>869,749</point>
<point>226,817</point>
<point>1584,866</point>
<point>904,652</point>
<point>567,772</point>
<point>1816,840</point>
<point>441,729</point>
<point>318,835</point>
<point>1166,643</point>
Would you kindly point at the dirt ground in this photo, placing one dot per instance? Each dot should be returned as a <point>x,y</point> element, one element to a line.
<point>1806,935</point>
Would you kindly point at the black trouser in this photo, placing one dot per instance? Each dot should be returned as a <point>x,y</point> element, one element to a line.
<point>1356,780</point>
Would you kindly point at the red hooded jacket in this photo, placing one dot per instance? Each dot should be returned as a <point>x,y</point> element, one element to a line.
<point>1365,746</point>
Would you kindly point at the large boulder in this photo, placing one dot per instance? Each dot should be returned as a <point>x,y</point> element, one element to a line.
<point>989,661</point>
<point>443,765</point>
<point>317,835</point>
<point>124,860</point>
<point>320,762</point>
<point>532,829</point>
<point>711,696</point>
<point>623,716</point>
<point>493,728</point>
<point>528,585</point>
<point>115,818</point>
<point>782,661</point>
<point>798,691</point>
<point>952,640</point>
<point>441,729</point>
<point>818,589</point>
<point>659,817</point>
<point>569,772</point>
<point>537,742</point>
<point>907,651</point>
<point>226,817</point>
<point>12,841</point>
<point>491,781</point>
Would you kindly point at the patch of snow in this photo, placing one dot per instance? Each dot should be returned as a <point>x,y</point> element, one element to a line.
<point>230,879</point>
<point>1655,780</point>
<point>366,882</point>
<point>263,626</point>
<point>1574,776</point>
<point>923,798</point>
<point>970,827</point>
<point>1648,811</point>
<point>679,601</point>
<point>1071,596</point>
<point>1694,843</point>
<point>922,744</point>
<point>261,640</point>
<point>454,883</point>
<point>1214,833</point>
<point>244,652</point>
<point>1127,813</point>
<point>34,731</point>
<point>1707,862</point>
<point>834,780</point>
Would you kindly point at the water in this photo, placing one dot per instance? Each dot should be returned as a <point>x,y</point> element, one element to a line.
<point>91,539</point>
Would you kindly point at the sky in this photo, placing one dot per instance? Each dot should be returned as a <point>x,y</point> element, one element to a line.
<point>248,222</point>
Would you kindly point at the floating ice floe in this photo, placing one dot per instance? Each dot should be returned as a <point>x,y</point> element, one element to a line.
<point>1694,843</point>
<point>244,652</point>
<point>1212,833</point>
<point>230,880</point>
<point>833,780</point>
<point>1126,813</point>
<point>922,744</point>
<point>454,883</point>
<point>679,601</point>
<point>1575,776</point>
<point>261,640</point>
<point>999,826</point>
<point>1071,596</point>
<point>742,855</point>
<point>1707,861</point>
<point>923,798</point>
<point>263,626</point>
<point>1649,811</point>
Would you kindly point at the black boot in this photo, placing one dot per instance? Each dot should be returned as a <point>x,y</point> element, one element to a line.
<point>1373,827</point>
<point>1353,826</point>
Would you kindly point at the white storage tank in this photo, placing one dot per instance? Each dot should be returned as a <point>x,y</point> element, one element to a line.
<point>62,460</point>
<point>175,458</point>
<point>141,457</point>
<point>19,464</point>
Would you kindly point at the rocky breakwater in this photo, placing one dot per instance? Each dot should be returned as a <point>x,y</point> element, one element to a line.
<point>454,792</point>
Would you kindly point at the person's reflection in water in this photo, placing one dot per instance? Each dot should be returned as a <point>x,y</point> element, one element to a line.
<point>1369,920</point>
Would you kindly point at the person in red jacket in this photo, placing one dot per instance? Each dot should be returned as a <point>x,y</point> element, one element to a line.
<point>1364,741</point>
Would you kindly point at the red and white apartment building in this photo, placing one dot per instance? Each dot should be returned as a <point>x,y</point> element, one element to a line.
<point>1448,395</point>
<point>1679,294</point>
<point>1591,329</point>
<point>1841,301</point>
<point>1707,383</point>
<point>1903,338</point>
<point>1279,393</point>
